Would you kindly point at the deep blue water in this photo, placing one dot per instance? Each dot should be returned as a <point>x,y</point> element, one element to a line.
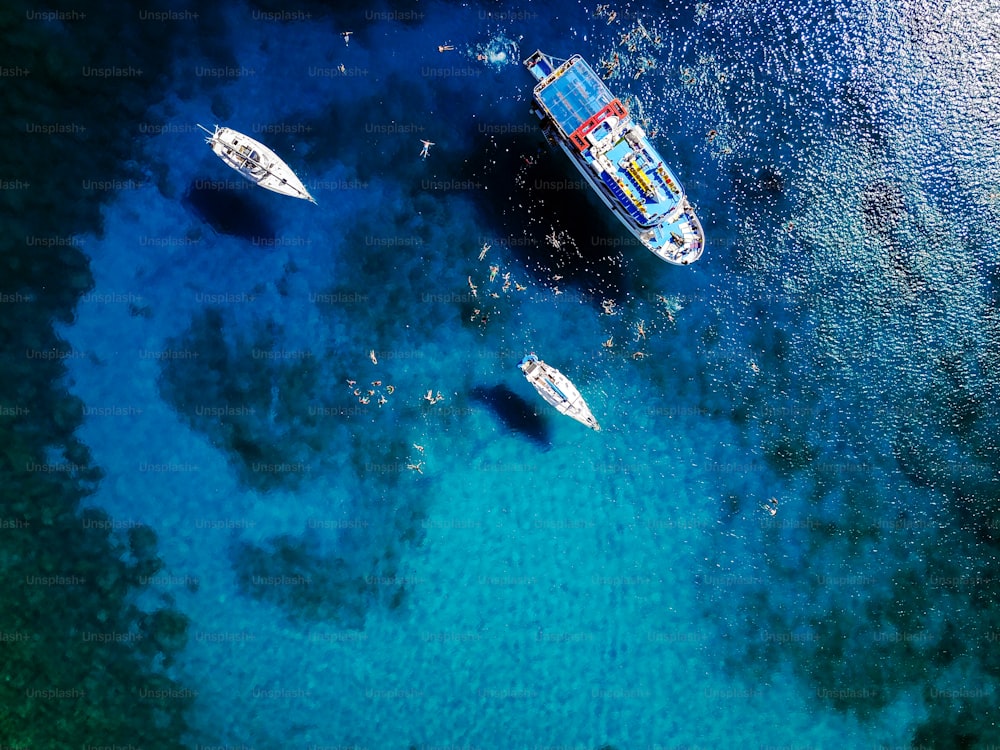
<point>481,572</point>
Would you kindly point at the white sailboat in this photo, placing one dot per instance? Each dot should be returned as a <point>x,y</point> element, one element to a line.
<point>557,389</point>
<point>256,162</point>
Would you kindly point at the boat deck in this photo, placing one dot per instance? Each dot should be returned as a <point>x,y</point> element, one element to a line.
<point>573,95</point>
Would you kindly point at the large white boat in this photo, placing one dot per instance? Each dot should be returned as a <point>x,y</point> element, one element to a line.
<point>557,389</point>
<point>256,162</point>
<point>613,153</point>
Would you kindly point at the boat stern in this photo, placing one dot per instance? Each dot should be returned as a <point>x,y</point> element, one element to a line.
<point>540,65</point>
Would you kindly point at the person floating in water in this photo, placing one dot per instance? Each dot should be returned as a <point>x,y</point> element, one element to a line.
<point>426,150</point>
<point>445,48</point>
<point>771,506</point>
<point>347,37</point>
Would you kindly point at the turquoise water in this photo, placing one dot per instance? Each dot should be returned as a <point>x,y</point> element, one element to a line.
<point>481,572</point>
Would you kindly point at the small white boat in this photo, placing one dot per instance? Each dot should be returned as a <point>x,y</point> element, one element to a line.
<point>256,162</point>
<point>557,389</point>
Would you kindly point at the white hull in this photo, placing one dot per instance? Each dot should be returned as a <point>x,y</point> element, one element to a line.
<point>256,162</point>
<point>693,234</point>
<point>558,390</point>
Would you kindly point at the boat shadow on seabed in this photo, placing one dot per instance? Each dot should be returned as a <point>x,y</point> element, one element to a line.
<point>515,413</point>
<point>228,211</point>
